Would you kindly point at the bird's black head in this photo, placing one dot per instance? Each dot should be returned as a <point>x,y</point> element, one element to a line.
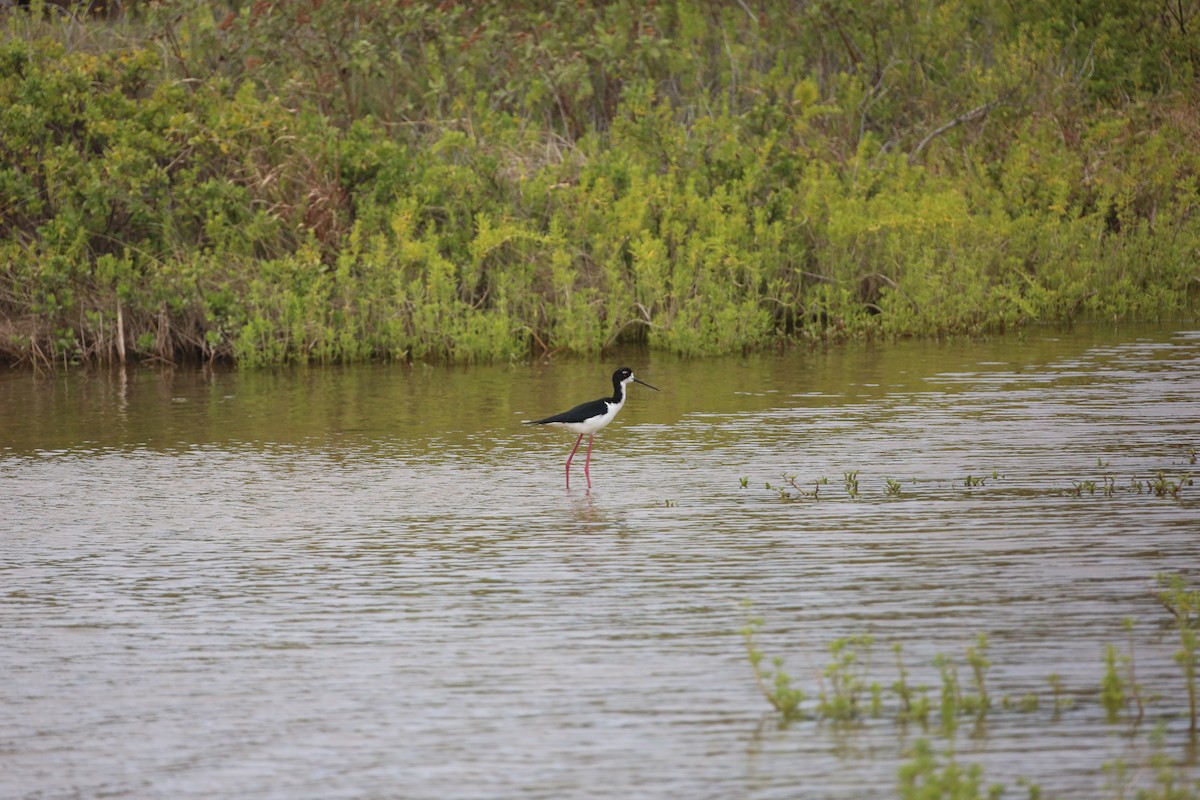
<point>625,375</point>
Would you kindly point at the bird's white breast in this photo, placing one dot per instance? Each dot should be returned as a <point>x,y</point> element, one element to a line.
<point>593,424</point>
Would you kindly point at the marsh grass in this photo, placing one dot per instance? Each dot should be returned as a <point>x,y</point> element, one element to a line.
<point>844,680</point>
<point>846,691</point>
<point>1112,687</point>
<point>1184,606</point>
<point>1169,779</point>
<point>773,683</point>
<point>269,183</point>
<point>1120,692</point>
<point>1088,486</point>
<point>980,702</point>
<point>1062,700</point>
<point>913,701</point>
<point>1106,486</point>
<point>1162,486</point>
<point>851,481</point>
<point>928,776</point>
<point>845,685</point>
<point>793,491</point>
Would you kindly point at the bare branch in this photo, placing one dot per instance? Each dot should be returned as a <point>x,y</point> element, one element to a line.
<point>974,113</point>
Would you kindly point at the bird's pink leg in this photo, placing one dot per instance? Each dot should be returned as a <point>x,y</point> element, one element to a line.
<point>576,447</point>
<point>587,462</point>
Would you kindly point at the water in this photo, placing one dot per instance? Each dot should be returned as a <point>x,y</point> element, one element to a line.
<point>371,582</point>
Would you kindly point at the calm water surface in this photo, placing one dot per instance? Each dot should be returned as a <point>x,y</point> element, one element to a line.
<point>372,583</point>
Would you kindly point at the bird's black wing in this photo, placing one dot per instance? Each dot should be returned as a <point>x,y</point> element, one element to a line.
<point>579,413</point>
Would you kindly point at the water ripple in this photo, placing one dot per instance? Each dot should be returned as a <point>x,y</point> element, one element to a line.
<point>371,596</point>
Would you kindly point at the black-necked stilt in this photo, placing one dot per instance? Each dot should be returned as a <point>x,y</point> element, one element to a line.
<point>591,417</point>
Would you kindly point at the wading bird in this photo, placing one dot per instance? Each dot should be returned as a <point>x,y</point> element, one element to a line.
<point>588,418</point>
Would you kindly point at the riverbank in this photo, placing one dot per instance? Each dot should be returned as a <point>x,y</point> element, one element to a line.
<point>290,183</point>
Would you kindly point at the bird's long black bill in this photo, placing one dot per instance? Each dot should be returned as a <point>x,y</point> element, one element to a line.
<point>643,383</point>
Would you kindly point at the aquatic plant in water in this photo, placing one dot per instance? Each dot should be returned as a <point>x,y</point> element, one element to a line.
<point>1061,700</point>
<point>774,684</point>
<point>1112,687</point>
<point>847,678</point>
<point>914,702</point>
<point>794,489</point>
<point>979,703</point>
<point>1184,606</point>
<point>1170,781</point>
<point>926,777</point>
<point>845,682</point>
<point>1119,689</point>
<point>796,492</point>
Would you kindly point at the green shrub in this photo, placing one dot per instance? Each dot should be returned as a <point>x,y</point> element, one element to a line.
<point>295,182</point>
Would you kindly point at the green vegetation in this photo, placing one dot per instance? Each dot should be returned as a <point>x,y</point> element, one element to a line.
<point>786,494</point>
<point>845,679</point>
<point>1184,605</point>
<point>914,702</point>
<point>1061,700</point>
<point>1112,688</point>
<point>1120,691</point>
<point>276,182</point>
<point>792,491</point>
<point>979,703</point>
<point>1170,781</point>
<point>845,682</point>
<point>775,684</point>
<point>927,778</point>
<point>1164,487</point>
